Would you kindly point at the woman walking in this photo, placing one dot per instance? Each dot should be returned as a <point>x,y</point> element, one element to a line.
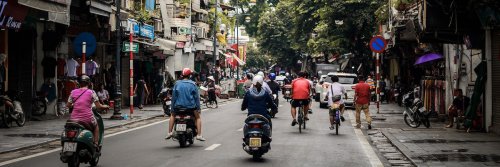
<point>141,90</point>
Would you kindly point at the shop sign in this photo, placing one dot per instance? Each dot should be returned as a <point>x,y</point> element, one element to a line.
<point>143,30</point>
<point>126,47</point>
<point>12,14</point>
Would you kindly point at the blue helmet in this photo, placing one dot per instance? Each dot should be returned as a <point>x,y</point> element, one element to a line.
<point>272,76</point>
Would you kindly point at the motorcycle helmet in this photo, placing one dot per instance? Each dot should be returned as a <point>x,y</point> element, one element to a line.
<point>260,73</point>
<point>85,79</point>
<point>272,76</point>
<point>186,72</point>
<point>287,74</point>
<point>258,79</point>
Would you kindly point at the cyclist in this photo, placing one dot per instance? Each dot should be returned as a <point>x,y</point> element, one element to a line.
<point>185,95</point>
<point>300,96</point>
<point>336,89</point>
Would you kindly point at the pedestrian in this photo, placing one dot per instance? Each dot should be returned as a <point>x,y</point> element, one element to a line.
<point>362,100</point>
<point>211,90</point>
<point>103,94</point>
<point>141,90</point>
<point>458,106</point>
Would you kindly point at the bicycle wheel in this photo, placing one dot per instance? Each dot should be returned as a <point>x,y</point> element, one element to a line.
<point>300,119</point>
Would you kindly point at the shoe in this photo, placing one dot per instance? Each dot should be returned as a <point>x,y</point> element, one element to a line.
<point>305,118</point>
<point>342,118</point>
<point>294,122</point>
<point>310,111</point>
<point>200,138</point>
<point>369,126</point>
<point>358,126</point>
<point>169,136</point>
<point>448,126</point>
<point>332,128</point>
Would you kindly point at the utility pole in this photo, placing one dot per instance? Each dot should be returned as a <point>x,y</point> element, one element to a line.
<point>215,40</point>
<point>118,88</point>
<point>237,44</point>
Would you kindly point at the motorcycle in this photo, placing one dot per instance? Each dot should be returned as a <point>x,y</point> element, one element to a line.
<point>184,127</point>
<point>165,96</point>
<point>287,92</point>
<point>39,105</point>
<point>271,111</point>
<point>415,113</point>
<point>78,143</point>
<point>257,135</point>
<point>11,109</point>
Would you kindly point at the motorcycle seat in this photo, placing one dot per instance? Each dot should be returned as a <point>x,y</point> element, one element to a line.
<point>258,117</point>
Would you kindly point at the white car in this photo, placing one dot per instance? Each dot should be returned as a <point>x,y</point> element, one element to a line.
<point>348,80</point>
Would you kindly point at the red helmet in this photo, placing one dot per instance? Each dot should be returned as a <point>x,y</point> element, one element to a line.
<point>186,72</point>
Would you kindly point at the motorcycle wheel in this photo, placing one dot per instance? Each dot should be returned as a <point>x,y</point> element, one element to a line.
<point>74,161</point>
<point>21,119</point>
<point>39,107</point>
<point>94,161</point>
<point>256,156</point>
<point>182,141</point>
<point>414,124</point>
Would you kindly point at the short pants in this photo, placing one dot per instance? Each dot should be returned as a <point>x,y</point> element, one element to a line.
<point>300,102</point>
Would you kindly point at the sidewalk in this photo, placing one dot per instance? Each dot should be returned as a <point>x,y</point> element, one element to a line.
<point>38,132</point>
<point>436,146</point>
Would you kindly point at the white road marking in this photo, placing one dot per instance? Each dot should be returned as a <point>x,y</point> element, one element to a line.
<point>59,149</point>
<point>239,130</point>
<point>374,160</point>
<point>212,147</point>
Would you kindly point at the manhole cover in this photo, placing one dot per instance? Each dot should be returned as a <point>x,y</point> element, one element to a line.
<point>33,135</point>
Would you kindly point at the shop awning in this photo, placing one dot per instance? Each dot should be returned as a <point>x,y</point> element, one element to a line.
<point>47,6</point>
<point>165,44</point>
<point>200,11</point>
<point>240,62</point>
<point>100,8</point>
<point>226,55</point>
<point>428,58</point>
<point>144,42</point>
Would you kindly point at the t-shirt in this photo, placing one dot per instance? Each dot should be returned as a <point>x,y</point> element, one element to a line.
<point>362,90</point>
<point>91,67</point>
<point>336,89</point>
<point>82,105</point>
<point>49,67</point>
<point>300,89</point>
<point>71,66</point>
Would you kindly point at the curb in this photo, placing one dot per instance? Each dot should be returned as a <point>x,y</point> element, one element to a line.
<point>56,139</point>
<point>398,145</point>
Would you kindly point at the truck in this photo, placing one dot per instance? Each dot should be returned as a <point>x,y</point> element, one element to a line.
<point>324,69</point>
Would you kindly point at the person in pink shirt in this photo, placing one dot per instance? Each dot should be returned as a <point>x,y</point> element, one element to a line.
<point>81,100</point>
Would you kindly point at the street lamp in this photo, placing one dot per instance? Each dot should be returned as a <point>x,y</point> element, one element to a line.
<point>118,88</point>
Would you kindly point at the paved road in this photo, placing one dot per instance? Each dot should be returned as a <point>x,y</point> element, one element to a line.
<point>145,147</point>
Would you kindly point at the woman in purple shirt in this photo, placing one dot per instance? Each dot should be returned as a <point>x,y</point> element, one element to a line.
<point>81,100</point>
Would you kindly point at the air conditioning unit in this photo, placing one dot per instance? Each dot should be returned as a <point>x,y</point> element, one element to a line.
<point>201,17</point>
<point>200,32</point>
<point>158,26</point>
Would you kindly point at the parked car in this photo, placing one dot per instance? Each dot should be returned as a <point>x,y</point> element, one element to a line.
<point>348,80</point>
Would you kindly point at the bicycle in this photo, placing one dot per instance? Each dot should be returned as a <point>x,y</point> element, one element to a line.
<point>301,117</point>
<point>337,109</point>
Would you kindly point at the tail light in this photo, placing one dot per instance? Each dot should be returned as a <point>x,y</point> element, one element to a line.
<point>70,134</point>
<point>255,126</point>
<point>182,117</point>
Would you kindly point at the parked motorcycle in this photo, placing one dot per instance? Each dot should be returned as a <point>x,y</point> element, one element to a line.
<point>184,127</point>
<point>11,109</point>
<point>39,105</point>
<point>165,96</point>
<point>257,135</point>
<point>276,101</point>
<point>415,113</point>
<point>78,145</point>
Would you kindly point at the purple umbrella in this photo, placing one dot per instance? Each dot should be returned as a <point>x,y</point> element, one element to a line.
<point>427,58</point>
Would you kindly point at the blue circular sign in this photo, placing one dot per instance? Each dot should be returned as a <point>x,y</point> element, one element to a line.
<point>90,43</point>
<point>378,44</point>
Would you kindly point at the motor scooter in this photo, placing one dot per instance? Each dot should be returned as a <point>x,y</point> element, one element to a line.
<point>415,112</point>
<point>11,109</point>
<point>257,135</point>
<point>287,92</point>
<point>165,97</point>
<point>77,141</point>
<point>273,112</point>
<point>184,127</point>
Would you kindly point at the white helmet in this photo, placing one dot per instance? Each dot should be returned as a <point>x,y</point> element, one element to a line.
<point>260,73</point>
<point>287,74</point>
<point>258,79</point>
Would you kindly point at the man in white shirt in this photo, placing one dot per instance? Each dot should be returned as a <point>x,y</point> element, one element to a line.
<point>336,89</point>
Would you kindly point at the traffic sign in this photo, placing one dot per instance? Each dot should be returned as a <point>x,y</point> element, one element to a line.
<point>126,47</point>
<point>378,44</point>
<point>90,43</point>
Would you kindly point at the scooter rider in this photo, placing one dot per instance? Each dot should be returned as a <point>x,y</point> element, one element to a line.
<point>275,87</point>
<point>264,84</point>
<point>257,100</point>
<point>185,95</point>
<point>81,100</point>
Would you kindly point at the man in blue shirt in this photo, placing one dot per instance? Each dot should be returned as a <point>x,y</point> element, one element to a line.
<point>257,100</point>
<point>185,95</point>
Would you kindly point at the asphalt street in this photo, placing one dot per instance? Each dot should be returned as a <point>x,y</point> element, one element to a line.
<point>222,127</point>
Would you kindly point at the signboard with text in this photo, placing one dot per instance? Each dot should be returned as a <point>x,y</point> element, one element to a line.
<point>126,47</point>
<point>12,14</point>
<point>143,30</point>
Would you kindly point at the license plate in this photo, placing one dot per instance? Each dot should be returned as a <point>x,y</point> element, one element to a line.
<point>255,142</point>
<point>168,102</point>
<point>180,127</point>
<point>69,147</point>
